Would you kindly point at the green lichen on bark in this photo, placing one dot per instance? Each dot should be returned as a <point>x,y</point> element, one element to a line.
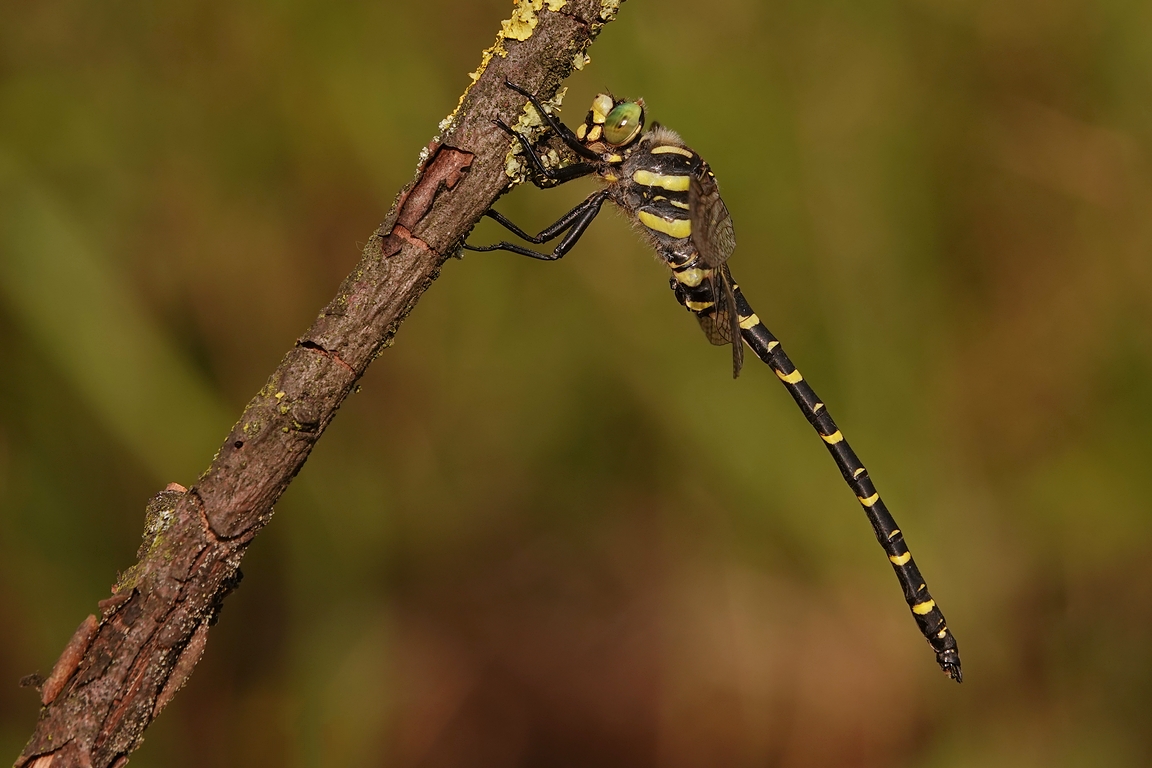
<point>159,514</point>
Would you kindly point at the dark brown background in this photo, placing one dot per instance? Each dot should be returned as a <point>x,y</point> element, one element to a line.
<point>592,547</point>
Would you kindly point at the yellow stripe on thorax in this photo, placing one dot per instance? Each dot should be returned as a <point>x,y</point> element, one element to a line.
<point>678,228</point>
<point>668,149</point>
<point>671,183</point>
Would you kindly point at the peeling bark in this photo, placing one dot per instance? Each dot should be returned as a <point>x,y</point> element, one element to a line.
<point>119,671</point>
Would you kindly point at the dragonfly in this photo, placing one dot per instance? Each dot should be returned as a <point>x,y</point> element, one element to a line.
<point>668,189</point>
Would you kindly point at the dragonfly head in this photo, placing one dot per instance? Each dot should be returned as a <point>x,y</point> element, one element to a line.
<point>611,124</point>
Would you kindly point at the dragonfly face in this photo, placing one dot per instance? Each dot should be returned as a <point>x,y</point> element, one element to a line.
<point>671,194</point>
<point>611,126</point>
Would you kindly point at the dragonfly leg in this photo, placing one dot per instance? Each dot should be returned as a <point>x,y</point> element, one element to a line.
<point>542,176</point>
<point>563,131</point>
<point>927,614</point>
<point>575,222</point>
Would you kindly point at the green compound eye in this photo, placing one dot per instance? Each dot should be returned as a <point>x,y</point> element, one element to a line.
<point>623,123</point>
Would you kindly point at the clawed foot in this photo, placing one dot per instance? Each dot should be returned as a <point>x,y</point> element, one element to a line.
<point>503,126</point>
<point>518,89</point>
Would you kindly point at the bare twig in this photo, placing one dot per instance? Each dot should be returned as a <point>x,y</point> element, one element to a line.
<point>121,668</point>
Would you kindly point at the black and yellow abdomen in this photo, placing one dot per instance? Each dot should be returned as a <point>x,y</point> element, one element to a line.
<point>671,196</point>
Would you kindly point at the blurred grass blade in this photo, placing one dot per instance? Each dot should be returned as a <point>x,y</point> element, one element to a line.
<point>85,319</point>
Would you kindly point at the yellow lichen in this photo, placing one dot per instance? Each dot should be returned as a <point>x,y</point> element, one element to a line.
<point>517,27</point>
<point>497,49</point>
<point>531,126</point>
<point>524,20</point>
<point>609,9</point>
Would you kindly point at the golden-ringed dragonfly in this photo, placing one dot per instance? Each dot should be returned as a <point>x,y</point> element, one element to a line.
<point>671,192</point>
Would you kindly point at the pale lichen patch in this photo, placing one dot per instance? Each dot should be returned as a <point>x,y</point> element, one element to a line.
<point>158,519</point>
<point>519,26</point>
<point>524,17</point>
<point>609,9</point>
<point>531,125</point>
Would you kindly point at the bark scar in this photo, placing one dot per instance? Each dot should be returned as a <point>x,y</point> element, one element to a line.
<point>69,660</point>
<point>43,761</point>
<point>110,605</point>
<point>184,666</point>
<point>309,344</point>
<point>46,759</point>
<point>399,230</point>
<point>443,171</point>
<point>212,536</point>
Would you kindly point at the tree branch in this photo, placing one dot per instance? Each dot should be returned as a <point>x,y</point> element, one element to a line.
<point>120,670</point>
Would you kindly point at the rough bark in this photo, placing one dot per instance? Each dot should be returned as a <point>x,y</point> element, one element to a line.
<point>122,667</point>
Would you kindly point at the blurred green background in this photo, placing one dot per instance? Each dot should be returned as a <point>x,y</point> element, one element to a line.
<point>551,530</point>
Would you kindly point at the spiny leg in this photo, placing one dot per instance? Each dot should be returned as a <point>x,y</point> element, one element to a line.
<point>543,176</point>
<point>563,131</point>
<point>924,609</point>
<point>576,221</point>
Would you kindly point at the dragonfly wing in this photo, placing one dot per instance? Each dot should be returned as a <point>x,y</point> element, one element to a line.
<point>724,290</point>
<point>715,239</point>
<point>712,231</point>
<point>721,324</point>
<point>717,332</point>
